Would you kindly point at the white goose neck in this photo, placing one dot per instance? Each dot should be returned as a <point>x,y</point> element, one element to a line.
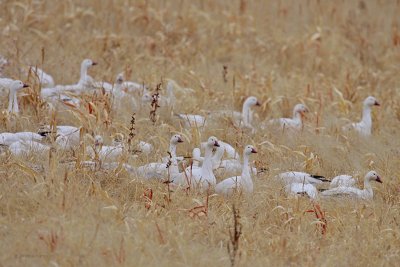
<point>368,193</point>
<point>366,116</point>
<point>84,70</point>
<point>246,175</point>
<point>216,159</point>
<point>207,167</point>
<point>297,117</point>
<point>246,114</point>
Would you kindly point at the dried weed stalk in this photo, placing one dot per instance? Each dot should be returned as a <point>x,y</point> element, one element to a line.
<point>154,103</point>
<point>234,237</point>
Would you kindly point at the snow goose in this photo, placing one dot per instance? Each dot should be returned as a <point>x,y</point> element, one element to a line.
<point>201,178</point>
<point>295,123</point>
<point>296,189</point>
<point>342,180</point>
<point>85,81</point>
<point>12,98</point>
<point>21,148</point>
<point>7,139</point>
<point>364,127</point>
<point>157,170</point>
<point>67,137</point>
<point>242,183</point>
<point>301,177</point>
<point>244,118</point>
<point>192,120</point>
<point>353,192</point>
<point>106,153</point>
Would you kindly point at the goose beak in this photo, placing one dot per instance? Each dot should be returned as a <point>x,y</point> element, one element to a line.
<point>25,85</point>
<point>258,104</point>
<point>378,179</point>
<point>94,63</point>
<point>180,140</point>
<point>216,144</point>
<point>253,150</point>
<point>377,103</point>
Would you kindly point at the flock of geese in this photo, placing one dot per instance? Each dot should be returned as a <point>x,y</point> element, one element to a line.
<point>219,157</point>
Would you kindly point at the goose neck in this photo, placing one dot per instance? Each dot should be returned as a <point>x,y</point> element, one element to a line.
<point>366,116</point>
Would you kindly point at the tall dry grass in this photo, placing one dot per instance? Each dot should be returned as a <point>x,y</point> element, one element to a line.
<point>329,55</point>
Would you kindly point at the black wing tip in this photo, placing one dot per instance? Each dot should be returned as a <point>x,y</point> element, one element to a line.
<point>320,177</point>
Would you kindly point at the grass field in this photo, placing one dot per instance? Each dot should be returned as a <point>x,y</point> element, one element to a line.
<point>329,55</point>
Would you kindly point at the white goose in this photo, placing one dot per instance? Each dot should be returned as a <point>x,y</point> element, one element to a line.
<point>106,153</point>
<point>296,189</point>
<point>295,123</point>
<point>301,177</point>
<point>242,183</point>
<point>67,137</point>
<point>15,86</point>
<point>201,178</point>
<point>353,192</point>
<point>364,127</point>
<point>244,118</point>
<point>85,81</point>
<point>158,170</point>
<point>7,139</point>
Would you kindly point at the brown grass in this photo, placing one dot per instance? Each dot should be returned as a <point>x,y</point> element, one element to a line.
<point>329,55</point>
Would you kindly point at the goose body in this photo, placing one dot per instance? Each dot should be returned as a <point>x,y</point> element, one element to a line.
<point>295,123</point>
<point>364,127</point>
<point>200,178</point>
<point>353,192</point>
<point>156,170</point>
<point>243,182</point>
<point>106,153</point>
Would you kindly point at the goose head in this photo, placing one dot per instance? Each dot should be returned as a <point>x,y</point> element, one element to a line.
<point>251,101</point>
<point>300,109</point>
<point>373,176</point>
<point>98,140</point>
<point>120,79</point>
<point>196,153</point>
<point>176,139</point>
<point>17,85</point>
<point>86,63</point>
<point>371,101</point>
<point>212,142</point>
<point>249,149</point>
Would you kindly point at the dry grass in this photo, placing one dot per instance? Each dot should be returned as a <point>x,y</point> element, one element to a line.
<point>328,54</point>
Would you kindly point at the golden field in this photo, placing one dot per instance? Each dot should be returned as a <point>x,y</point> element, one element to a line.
<point>328,55</point>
